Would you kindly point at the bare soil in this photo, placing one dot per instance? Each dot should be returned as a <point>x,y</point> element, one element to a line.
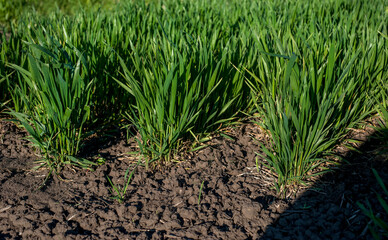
<point>235,202</point>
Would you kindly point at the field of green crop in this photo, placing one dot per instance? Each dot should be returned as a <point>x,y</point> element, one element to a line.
<point>178,70</point>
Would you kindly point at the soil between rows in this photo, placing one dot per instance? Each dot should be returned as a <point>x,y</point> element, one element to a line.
<point>236,201</point>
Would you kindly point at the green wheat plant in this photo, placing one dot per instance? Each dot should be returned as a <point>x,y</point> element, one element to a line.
<point>308,91</point>
<point>119,191</point>
<point>297,128</point>
<point>168,102</point>
<point>181,88</point>
<point>307,109</point>
<point>58,101</point>
<point>11,52</point>
<point>382,127</point>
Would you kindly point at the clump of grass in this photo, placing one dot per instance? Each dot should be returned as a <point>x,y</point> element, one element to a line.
<point>382,128</point>
<point>179,92</point>
<point>308,110</point>
<point>57,97</point>
<point>168,103</point>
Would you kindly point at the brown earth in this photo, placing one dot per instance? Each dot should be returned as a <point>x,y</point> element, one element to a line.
<point>236,202</point>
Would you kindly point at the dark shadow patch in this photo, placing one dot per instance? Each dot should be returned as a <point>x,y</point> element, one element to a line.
<point>329,210</point>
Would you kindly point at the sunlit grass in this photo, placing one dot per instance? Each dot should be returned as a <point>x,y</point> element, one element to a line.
<point>56,95</point>
<point>179,70</point>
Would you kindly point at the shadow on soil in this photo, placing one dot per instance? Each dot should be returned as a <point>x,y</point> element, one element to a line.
<point>105,139</point>
<point>329,210</point>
